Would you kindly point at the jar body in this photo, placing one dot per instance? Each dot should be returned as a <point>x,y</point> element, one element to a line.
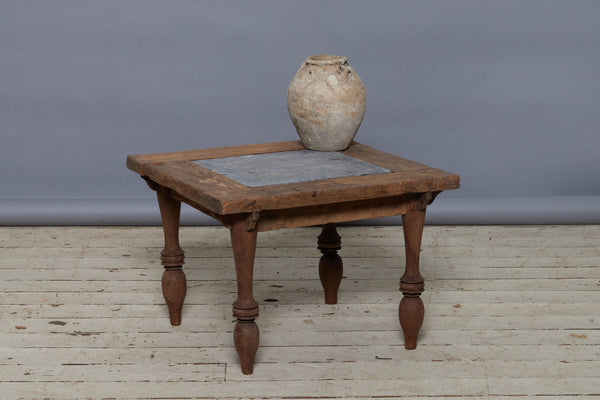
<point>326,101</point>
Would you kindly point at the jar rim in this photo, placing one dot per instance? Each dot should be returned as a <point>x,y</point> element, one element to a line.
<point>326,59</point>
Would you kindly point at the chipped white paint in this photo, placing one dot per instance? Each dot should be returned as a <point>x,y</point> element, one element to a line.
<point>332,80</point>
<point>512,312</point>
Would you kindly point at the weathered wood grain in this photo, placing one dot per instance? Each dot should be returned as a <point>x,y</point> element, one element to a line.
<point>220,195</point>
<point>385,160</point>
<point>332,213</point>
<point>511,317</point>
<point>137,162</point>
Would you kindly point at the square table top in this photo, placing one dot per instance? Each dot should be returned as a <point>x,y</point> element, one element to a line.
<point>284,175</point>
<point>255,170</point>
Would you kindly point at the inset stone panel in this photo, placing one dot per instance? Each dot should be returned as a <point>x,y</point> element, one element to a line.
<point>289,167</point>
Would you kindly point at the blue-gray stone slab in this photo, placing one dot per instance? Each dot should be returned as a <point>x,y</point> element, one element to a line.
<point>289,167</point>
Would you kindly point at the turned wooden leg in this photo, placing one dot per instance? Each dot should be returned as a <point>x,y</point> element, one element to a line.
<point>411,310</point>
<point>174,283</point>
<point>330,266</point>
<point>245,308</point>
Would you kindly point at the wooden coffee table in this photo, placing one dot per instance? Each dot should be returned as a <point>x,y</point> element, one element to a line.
<point>257,188</point>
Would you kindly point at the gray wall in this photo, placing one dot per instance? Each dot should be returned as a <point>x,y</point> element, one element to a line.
<point>504,93</point>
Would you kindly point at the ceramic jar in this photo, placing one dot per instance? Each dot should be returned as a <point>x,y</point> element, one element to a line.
<point>326,101</point>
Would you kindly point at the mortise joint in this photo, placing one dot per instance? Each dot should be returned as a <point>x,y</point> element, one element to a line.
<point>151,184</point>
<point>426,199</point>
<point>252,220</point>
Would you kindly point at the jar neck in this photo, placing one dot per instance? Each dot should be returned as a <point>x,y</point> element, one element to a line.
<point>326,59</point>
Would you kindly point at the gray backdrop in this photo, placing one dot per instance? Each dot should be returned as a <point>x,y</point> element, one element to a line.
<point>504,93</point>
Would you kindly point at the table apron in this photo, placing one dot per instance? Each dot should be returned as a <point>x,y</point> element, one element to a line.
<point>269,220</point>
<point>296,217</point>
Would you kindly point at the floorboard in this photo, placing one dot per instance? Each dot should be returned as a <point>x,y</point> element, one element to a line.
<point>511,312</point>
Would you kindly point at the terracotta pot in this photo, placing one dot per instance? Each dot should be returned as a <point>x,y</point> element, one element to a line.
<point>326,101</point>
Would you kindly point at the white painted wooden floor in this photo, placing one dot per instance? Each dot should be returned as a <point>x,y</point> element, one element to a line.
<point>511,313</point>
